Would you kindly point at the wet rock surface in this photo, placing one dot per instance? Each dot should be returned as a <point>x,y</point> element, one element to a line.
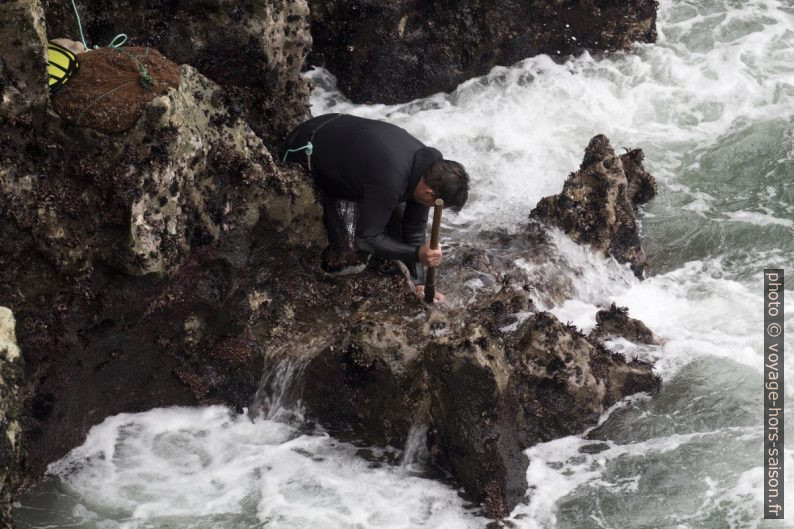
<point>392,52</point>
<point>485,390</point>
<point>598,203</point>
<point>125,257</point>
<point>177,264</point>
<point>24,72</point>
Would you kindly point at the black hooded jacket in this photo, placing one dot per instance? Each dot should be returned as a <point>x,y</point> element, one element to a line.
<point>377,165</point>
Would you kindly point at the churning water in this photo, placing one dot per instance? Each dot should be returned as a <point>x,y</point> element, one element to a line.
<point>711,104</point>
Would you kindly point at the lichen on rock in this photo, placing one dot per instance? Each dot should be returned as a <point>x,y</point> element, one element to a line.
<point>10,414</point>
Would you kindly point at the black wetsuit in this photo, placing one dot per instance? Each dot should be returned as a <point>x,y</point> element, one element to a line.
<point>377,165</point>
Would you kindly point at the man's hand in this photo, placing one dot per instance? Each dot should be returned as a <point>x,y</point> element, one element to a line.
<point>429,257</point>
<point>420,291</point>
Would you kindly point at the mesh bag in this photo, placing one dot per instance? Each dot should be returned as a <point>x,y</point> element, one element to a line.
<point>341,256</point>
<point>348,211</point>
<point>112,86</point>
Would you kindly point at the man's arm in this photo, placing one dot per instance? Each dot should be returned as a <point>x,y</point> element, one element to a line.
<point>414,230</point>
<point>374,213</point>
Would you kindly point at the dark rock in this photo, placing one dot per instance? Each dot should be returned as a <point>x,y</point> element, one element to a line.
<point>473,413</point>
<point>391,52</point>
<point>23,73</point>
<point>367,381</point>
<point>125,258</point>
<point>598,203</point>
<point>615,321</point>
<point>486,394</point>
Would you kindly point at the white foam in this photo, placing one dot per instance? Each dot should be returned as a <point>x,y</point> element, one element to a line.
<point>759,219</point>
<point>189,464</point>
<point>699,312</point>
<point>559,467</point>
<point>521,130</point>
<point>581,314</point>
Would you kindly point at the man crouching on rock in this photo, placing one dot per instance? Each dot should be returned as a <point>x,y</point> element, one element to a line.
<point>376,184</point>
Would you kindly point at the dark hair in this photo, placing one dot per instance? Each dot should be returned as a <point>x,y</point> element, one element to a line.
<point>449,181</point>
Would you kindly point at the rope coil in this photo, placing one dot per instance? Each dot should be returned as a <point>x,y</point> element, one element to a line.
<point>112,44</point>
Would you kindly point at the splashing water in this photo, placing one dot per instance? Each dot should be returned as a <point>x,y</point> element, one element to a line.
<point>209,468</point>
<point>711,104</point>
<point>415,446</point>
<point>278,396</point>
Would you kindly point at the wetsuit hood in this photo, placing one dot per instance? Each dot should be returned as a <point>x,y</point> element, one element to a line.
<point>423,159</point>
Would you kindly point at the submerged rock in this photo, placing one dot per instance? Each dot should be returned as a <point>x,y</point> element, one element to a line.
<point>392,52</point>
<point>598,203</point>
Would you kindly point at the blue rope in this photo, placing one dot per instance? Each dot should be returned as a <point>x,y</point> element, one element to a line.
<point>309,148</point>
<point>113,43</point>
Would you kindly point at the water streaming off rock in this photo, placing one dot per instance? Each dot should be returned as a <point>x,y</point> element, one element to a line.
<point>415,447</point>
<point>279,393</point>
<point>711,104</point>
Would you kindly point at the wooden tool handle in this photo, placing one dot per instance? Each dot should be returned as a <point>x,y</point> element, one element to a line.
<point>435,235</point>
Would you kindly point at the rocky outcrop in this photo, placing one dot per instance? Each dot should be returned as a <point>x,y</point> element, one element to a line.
<point>10,414</point>
<point>124,257</point>
<point>253,49</point>
<point>485,392</point>
<point>391,52</point>
<point>598,203</point>
<point>186,175</point>
<point>175,263</point>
